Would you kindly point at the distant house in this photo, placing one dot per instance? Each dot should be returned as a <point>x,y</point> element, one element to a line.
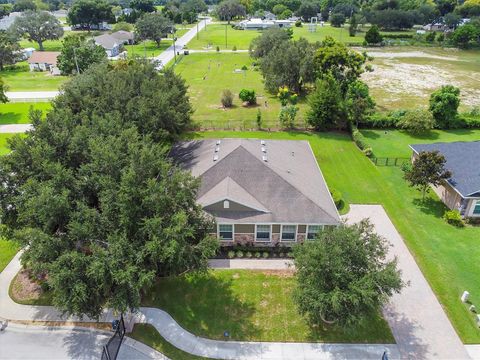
<point>259,24</point>
<point>261,193</point>
<point>113,43</point>
<point>125,37</point>
<point>267,15</point>
<point>44,61</point>
<point>462,190</point>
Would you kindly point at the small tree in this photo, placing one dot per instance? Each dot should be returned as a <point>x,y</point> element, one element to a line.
<point>344,275</point>
<point>283,95</point>
<point>227,98</point>
<point>427,169</point>
<point>444,104</point>
<point>416,121</point>
<point>352,29</point>
<point>430,37</point>
<point>259,119</point>
<point>122,25</point>
<point>373,36</point>
<point>153,26</point>
<point>3,96</point>
<point>78,54</point>
<point>337,20</point>
<point>9,49</point>
<point>248,96</point>
<point>287,115</point>
<point>88,13</point>
<point>358,101</point>
<point>38,27</point>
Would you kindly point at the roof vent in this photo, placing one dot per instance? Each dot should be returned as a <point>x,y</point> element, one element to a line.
<point>262,142</point>
<point>264,158</point>
<point>226,204</point>
<point>264,149</point>
<point>293,153</point>
<point>217,148</point>
<point>218,142</point>
<point>215,157</point>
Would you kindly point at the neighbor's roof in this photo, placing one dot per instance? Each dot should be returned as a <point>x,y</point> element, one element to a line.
<point>47,57</point>
<point>286,188</point>
<point>107,41</point>
<point>463,160</point>
<point>123,35</point>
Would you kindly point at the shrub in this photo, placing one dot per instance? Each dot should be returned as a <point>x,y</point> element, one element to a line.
<point>239,254</point>
<point>417,121</point>
<point>397,36</point>
<point>373,36</point>
<point>337,19</point>
<point>244,68</point>
<point>337,197</point>
<point>234,48</point>
<point>227,98</point>
<point>265,254</point>
<point>368,151</point>
<point>359,139</point>
<point>298,23</point>
<point>258,254</point>
<point>453,217</point>
<point>218,48</point>
<point>248,96</point>
<point>231,254</point>
<point>290,254</point>
<point>441,37</point>
<point>287,115</point>
<point>281,254</point>
<point>248,254</point>
<point>259,119</point>
<point>444,104</point>
<point>430,37</point>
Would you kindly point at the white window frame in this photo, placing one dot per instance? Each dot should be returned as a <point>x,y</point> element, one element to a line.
<point>218,232</point>
<point>295,234</point>
<point>308,227</point>
<point>270,233</point>
<point>474,205</point>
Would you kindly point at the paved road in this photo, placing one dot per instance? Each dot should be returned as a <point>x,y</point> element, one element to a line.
<point>39,342</point>
<point>26,96</point>
<point>420,326</point>
<point>166,56</point>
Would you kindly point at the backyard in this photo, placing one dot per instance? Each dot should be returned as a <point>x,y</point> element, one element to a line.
<point>20,78</point>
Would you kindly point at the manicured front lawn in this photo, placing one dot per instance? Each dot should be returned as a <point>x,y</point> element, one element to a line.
<point>20,78</point>
<point>147,48</point>
<point>17,112</point>
<point>209,74</point>
<point>448,256</point>
<point>250,305</point>
<point>394,143</point>
<point>148,335</point>
<point>8,249</point>
<point>214,35</point>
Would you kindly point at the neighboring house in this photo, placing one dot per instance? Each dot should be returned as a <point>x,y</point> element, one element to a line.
<point>111,44</point>
<point>267,15</point>
<point>8,20</point>
<point>125,37</point>
<point>462,190</point>
<point>44,61</point>
<point>259,192</point>
<point>259,24</point>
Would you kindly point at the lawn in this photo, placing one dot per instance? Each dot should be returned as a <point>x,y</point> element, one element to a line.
<point>48,45</point>
<point>147,48</point>
<point>321,32</point>
<point>17,112</point>
<point>20,78</point>
<point>8,249</point>
<point>209,74</point>
<point>250,305</point>
<point>394,143</point>
<point>448,256</point>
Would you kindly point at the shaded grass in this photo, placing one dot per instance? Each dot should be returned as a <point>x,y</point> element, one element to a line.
<point>251,306</point>
<point>8,249</point>
<point>20,78</point>
<point>448,256</point>
<point>148,335</point>
<point>17,112</point>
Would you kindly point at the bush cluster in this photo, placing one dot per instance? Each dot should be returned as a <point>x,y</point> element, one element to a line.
<point>453,217</point>
<point>397,36</point>
<point>250,251</point>
<point>362,144</point>
<point>337,197</point>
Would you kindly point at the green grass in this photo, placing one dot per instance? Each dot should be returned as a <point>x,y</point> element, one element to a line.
<point>250,305</point>
<point>49,45</point>
<point>448,256</point>
<point>209,74</point>
<point>394,143</point>
<point>44,299</point>
<point>214,35</point>
<point>148,335</point>
<point>3,143</point>
<point>148,48</point>
<point>20,78</point>
<point>8,249</point>
<point>17,112</point>
<point>340,34</point>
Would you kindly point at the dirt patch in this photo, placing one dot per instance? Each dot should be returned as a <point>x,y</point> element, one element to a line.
<point>23,288</point>
<point>90,325</point>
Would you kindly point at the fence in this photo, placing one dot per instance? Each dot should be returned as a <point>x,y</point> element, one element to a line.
<point>111,349</point>
<point>390,161</point>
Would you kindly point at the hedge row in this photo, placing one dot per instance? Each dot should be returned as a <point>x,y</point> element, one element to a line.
<point>397,36</point>
<point>362,144</point>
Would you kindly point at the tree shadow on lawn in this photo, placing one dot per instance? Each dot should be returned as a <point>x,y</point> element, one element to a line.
<point>10,118</point>
<point>430,206</point>
<point>204,305</point>
<point>425,135</point>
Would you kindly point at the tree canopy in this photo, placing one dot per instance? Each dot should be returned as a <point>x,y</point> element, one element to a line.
<point>9,49</point>
<point>343,275</point>
<point>93,195</point>
<point>153,27</point>
<point>229,10</point>
<point>38,27</point>
<point>78,54</point>
<point>88,13</point>
<point>444,104</point>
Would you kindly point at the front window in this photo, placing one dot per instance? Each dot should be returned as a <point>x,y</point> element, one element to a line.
<point>225,232</point>
<point>313,231</point>
<point>263,233</point>
<point>476,209</point>
<point>288,232</point>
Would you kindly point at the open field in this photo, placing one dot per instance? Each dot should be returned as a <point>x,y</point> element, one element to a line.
<point>340,34</point>
<point>17,113</point>
<point>448,256</point>
<point>20,78</point>
<point>8,249</point>
<point>251,305</point>
<point>405,77</point>
<point>394,143</point>
<point>209,74</point>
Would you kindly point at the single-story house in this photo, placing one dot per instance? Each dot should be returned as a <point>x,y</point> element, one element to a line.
<point>462,190</point>
<point>259,192</point>
<point>111,44</point>
<point>44,61</point>
<point>125,37</point>
<point>259,24</point>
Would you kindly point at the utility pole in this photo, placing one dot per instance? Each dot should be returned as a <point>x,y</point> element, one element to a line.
<point>226,43</point>
<point>76,62</point>
<point>197,30</point>
<point>174,49</point>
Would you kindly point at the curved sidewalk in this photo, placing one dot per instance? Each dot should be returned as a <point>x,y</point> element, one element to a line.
<point>190,343</point>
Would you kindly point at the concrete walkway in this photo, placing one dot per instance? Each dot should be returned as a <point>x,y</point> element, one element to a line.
<point>27,96</point>
<point>252,264</point>
<point>14,128</point>
<point>168,55</point>
<point>421,328</point>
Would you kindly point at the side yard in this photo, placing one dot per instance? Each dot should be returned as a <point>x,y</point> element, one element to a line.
<point>20,78</point>
<point>17,113</point>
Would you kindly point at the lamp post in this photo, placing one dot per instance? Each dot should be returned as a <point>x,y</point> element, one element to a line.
<point>226,43</point>
<point>175,49</point>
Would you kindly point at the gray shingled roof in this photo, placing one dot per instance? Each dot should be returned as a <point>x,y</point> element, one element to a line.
<point>287,188</point>
<point>463,160</point>
<point>107,41</point>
